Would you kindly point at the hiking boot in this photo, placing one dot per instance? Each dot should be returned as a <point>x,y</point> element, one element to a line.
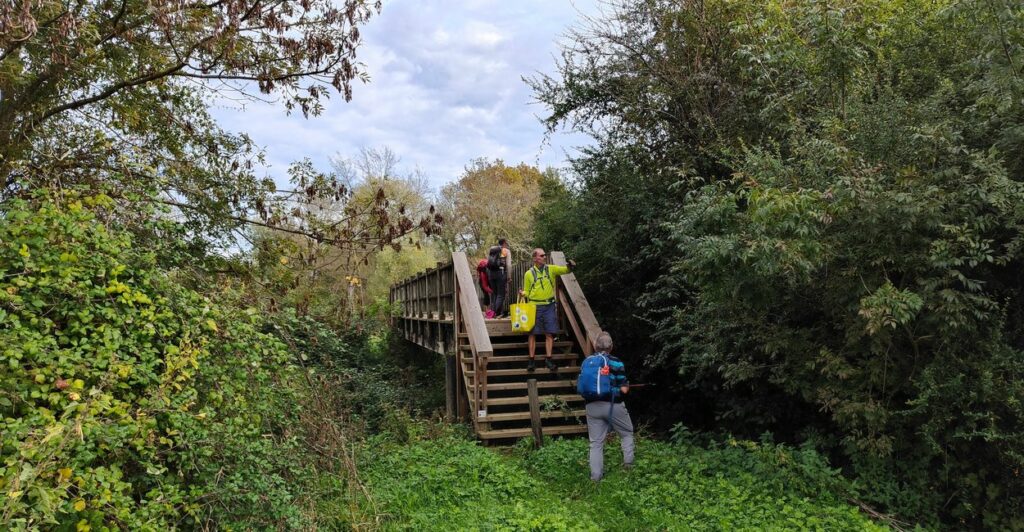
<point>550,364</point>
<point>531,365</point>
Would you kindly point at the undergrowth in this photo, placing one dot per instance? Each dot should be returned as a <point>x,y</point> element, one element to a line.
<point>450,482</point>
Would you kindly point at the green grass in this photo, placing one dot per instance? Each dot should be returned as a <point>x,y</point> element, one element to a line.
<point>452,483</point>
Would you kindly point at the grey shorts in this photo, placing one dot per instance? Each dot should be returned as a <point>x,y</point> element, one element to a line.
<point>547,319</point>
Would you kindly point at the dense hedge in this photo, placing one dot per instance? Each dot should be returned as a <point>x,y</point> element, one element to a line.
<point>127,400</point>
<point>825,229</point>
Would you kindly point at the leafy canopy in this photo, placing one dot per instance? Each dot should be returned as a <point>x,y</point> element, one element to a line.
<point>824,233</point>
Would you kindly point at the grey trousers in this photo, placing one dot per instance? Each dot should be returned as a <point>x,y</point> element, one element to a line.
<point>597,429</point>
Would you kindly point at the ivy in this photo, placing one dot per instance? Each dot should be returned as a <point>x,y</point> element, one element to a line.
<point>127,400</point>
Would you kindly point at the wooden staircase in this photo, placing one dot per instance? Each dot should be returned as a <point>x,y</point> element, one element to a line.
<point>486,375</point>
<point>506,402</point>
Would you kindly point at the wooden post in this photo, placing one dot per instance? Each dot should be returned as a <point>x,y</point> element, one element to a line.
<point>439,339</point>
<point>462,401</point>
<point>538,431</point>
<point>451,386</point>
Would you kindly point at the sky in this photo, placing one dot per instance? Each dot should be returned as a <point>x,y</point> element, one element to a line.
<point>446,87</point>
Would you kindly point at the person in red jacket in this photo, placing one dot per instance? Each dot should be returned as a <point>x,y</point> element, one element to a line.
<point>485,285</point>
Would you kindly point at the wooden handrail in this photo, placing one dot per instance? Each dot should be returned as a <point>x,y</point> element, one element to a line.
<point>476,329</point>
<point>578,303</point>
<point>472,314</point>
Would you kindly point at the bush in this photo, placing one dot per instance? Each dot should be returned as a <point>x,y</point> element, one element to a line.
<point>824,237</point>
<point>373,373</point>
<point>126,400</point>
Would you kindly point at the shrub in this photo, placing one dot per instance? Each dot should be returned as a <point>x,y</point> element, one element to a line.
<point>126,400</point>
<point>825,233</point>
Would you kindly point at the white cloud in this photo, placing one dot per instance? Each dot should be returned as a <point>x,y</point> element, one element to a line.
<point>482,35</point>
<point>445,88</point>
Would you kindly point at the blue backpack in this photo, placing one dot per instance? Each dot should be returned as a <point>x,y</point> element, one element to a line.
<point>595,382</point>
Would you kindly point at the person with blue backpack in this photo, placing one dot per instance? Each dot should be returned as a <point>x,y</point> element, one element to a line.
<point>603,384</point>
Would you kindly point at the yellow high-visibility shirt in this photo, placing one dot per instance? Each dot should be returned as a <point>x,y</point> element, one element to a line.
<point>545,282</point>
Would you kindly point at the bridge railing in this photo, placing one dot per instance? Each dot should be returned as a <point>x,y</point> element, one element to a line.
<point>439,309</point>
<point>470,320</point>
<point>426,307</point>
<point>577,309</point>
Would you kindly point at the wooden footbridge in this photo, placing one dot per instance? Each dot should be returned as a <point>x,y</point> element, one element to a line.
<point>486,375</point>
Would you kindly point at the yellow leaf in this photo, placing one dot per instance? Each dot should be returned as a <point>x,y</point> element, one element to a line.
<point>117,287</point>
<point>64,473</point>
<point>14,494</point>
<point>74,396</point>
<point>24,251</point>
<point>284,260</point>
<point>83,526</point>
<point>52,432</point>
<point>78,384</point>
<point>79,505</point>
<point>212,325</point>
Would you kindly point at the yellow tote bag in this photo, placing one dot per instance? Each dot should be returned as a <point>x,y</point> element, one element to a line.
<point>524,314</point>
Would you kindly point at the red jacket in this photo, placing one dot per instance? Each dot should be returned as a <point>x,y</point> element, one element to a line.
<point>481,270</point>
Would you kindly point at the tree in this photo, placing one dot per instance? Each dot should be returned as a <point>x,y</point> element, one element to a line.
<point>823,236</point>
<point>93,59</point>
<point>489,201</point>
<point>374,218</point>
<point>113,94</point>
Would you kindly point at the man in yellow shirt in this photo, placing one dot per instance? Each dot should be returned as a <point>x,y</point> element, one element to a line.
<point>539,288</point>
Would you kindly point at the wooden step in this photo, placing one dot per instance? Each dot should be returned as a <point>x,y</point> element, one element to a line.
<point>519,345</point>
<point>541,370</point>
<point>523,400</point>
<point>527,431</point>
<point>503,328</point>
<point>524,358</point>
<point>544,414</point>
<point>503,386</point>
